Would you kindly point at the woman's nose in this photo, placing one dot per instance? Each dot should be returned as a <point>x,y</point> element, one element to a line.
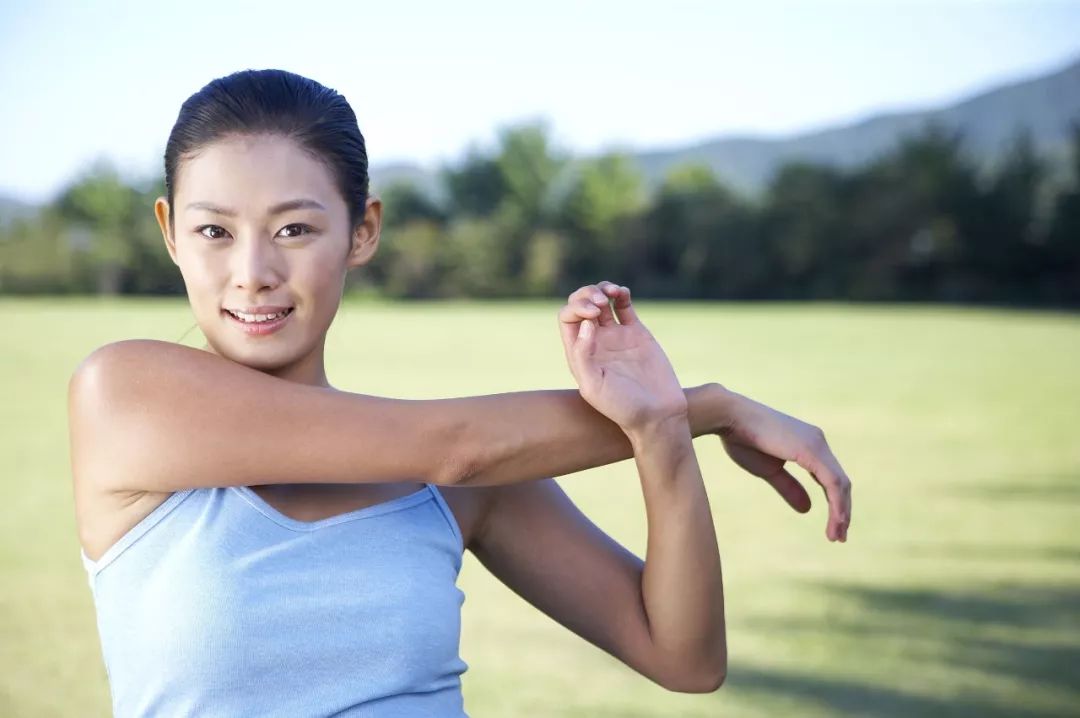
<point>256,264</point>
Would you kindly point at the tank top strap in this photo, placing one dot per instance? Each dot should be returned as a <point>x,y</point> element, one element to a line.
<point>134,533</point>
<point>448,514</point>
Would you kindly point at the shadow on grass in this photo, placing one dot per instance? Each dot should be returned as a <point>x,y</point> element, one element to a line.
<point>852,698</point>
<point>1028,634</point>
<point>995,552</point>
<point>1054,487</point>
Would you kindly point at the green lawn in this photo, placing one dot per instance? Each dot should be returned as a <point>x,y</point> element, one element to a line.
<point>958,592</point>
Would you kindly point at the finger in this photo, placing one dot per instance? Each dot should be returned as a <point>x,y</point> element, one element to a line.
<point>586,341</point>
<point>830,483</point>
<point>610,289</point>
<point>602,300</point>
<point>845,490</point>
<point>577,310</point>
<point>568,331</point>
<point>624,310</point>
<point>589,292</point>
<point>836,475</point>
<point>570,316</point>
<point>791,490</point>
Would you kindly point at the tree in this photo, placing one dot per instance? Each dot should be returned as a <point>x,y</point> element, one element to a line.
<point>403,202</point>
<point>104,206</point>
<point>475,187</point>
<point>605,190</point>
<point>804,222</point>
<point>528,164</point>
<point>1061,280</point>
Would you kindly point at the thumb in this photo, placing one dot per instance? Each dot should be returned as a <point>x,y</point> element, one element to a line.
<point>586,339</point>
<point>790,489</point>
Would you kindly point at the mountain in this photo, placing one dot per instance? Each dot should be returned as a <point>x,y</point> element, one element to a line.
<point>1045,106</point>
<point>384,175</point>
<point>12,209</point>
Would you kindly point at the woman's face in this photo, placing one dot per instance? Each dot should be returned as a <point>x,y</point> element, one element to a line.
<point>259,224</point>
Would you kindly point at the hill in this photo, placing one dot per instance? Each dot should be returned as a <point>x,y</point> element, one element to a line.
<point>1044,106</point>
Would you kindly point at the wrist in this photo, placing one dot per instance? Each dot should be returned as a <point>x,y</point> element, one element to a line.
<point>670,429</point>
<point>712,408</point>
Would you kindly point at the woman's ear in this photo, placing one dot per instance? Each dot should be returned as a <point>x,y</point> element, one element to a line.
<point>365,237</point>
<point>162,211</point>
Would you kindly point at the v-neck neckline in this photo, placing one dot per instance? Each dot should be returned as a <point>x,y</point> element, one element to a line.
<point>267,509</point>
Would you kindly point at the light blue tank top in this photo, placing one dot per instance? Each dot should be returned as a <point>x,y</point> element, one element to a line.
<point>217,604</point>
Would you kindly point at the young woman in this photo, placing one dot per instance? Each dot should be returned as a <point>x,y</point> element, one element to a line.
<point>260,543</point>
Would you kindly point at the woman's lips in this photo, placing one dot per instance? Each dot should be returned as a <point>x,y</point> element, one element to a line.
<point>259,328</point>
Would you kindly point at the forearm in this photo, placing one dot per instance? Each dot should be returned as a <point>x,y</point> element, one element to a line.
<point>165,417</point>
<point>538,434</point>
<point>682,586</point>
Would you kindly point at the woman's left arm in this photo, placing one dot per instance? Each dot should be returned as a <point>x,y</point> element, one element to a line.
<point>681,584</point>
<point>664,617</point>
<point>624,374</point>
<point>535,540</point>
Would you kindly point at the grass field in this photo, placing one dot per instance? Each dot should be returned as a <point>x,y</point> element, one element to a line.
<point>957,593</point>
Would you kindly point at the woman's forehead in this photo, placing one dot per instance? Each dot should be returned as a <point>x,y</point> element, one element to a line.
<point>253,173</point>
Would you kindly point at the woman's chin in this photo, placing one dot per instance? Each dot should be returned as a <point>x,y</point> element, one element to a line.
<point>263,357</point>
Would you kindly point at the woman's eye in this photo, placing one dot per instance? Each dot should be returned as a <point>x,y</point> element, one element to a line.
<point>295,230</point>
<point>213,228</point>
<point>290,231</point>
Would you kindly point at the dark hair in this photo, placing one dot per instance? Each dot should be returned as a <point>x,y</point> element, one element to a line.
<point>318,118</point>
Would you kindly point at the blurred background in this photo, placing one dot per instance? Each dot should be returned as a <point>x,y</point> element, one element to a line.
<point>864,214</point>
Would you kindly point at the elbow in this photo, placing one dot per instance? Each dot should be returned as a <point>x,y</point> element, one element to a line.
<point>703,673</point>
<point>711,680</point>
<point>699,680</point>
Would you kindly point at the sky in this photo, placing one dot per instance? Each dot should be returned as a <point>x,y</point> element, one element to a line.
<point>82,81</point>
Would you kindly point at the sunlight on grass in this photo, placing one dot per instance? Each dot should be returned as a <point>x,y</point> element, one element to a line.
<point>956,594</point>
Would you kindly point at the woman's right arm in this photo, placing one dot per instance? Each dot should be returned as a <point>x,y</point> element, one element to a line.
<point>148,415</point>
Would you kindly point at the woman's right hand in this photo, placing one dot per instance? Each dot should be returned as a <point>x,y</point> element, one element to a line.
<point>621,370</point>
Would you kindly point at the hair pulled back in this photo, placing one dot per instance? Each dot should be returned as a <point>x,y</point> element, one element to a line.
<point>276,102</point>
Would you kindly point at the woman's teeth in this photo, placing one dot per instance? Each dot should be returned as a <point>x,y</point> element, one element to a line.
<point>257,317</point>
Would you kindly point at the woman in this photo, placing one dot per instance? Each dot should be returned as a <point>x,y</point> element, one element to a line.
<point>261,543</point>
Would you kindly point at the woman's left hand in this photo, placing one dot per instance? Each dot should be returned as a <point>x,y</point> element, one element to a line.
<point>761,440</point>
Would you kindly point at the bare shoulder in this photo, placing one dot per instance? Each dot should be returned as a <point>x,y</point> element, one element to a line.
<point>102,516</point>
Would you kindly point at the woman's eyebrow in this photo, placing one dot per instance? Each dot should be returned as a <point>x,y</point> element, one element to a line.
<point>276,209</point>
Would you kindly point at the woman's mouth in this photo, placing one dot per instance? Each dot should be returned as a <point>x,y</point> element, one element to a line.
<point>258,324</point>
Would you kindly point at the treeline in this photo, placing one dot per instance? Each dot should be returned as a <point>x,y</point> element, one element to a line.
<point>525,219</point>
